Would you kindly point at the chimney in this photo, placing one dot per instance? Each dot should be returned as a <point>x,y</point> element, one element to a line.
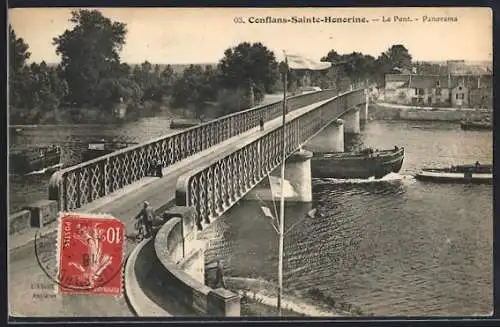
<point>449,80</point>
<point>479,82</point>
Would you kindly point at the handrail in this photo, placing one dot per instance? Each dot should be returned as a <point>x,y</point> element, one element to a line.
<point>75,186</point>
<point>213,187</point>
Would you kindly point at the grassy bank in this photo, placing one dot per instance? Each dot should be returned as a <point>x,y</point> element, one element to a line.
<point>259,298</point>
<point>253,307</point>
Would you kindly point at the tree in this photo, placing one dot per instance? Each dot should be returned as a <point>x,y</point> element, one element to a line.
<point>195,88</point>
<point>246,64</point>
<point>395,59</point>
<point>398,56</point>
<point>90,53</point>
<point>111,91</point>
<point>18,55</point>
<point>332,57</point>
<point>18,52</point>
<point>167,78</point>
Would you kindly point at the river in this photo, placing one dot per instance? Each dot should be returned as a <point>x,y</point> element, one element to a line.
<point>395,247</point>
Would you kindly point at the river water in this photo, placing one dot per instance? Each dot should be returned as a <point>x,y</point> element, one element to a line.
<point>393,247</point>
<point>73,140</point>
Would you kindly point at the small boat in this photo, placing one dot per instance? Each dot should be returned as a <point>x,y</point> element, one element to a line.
<point>102,147</point>
<point>363,164</point>
<point>476,125</point>
<point>184,123</point>
<point>38,159</point>
<point>477,173</point>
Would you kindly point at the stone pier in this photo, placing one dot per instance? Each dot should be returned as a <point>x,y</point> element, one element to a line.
<point>363,116</point>
<point>330,139</point>
<point>351,121</point>
<point>336,136</point>
<point>298,186</point>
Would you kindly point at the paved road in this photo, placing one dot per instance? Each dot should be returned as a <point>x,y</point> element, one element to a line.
<point>25,273</point>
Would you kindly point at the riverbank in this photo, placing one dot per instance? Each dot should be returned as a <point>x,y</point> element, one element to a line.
<point>72,116</point>
<point>388,111</point>
<point>259,299</point>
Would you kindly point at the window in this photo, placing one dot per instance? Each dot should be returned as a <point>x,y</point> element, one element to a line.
<point>460,96</point>
<point>438,83</point>
<point>438,91</point>
<point>419,91</point>
<point>460,88</point>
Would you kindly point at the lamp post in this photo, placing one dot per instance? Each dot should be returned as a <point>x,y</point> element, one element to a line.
<point>283,68</point>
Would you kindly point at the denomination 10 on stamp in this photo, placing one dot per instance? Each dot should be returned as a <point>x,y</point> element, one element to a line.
<point>90,254</point>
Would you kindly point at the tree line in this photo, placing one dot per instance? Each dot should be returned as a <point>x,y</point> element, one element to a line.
<point>92,83</point>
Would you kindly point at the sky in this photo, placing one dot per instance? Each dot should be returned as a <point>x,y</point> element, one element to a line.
<point>200,35</point>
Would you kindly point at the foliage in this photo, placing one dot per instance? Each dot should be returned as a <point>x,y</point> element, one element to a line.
<point>430,69</point>
<point>18,52</point>
<point>18,55</point>
<point>89,54</point>
<point>91,77</point>
<point>195,88</point>
<point>319,295</point>
<point>248,64</point>
<point>357,67</point>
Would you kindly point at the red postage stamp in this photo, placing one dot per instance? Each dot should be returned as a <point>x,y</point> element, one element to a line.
<point>91,254</point>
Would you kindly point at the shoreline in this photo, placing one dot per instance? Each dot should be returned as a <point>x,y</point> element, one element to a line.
<point>387,111</point>
<point>265,292</point>
<point>402,106</point>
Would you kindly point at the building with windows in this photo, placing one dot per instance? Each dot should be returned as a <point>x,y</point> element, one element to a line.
<point>464,90</point>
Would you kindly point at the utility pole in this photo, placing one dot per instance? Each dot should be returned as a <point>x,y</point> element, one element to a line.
<point>284,71</point>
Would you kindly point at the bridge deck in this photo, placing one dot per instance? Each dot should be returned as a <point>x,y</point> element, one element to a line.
<point>124,204</point>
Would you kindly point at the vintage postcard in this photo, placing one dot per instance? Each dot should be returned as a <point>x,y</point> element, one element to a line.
<point>250,162</point>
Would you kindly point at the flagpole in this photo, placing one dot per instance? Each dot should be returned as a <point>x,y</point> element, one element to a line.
<point>282,199</point>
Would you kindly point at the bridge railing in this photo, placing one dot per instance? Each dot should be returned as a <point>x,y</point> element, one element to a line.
<point>75,186</point>
<point>215,187</point>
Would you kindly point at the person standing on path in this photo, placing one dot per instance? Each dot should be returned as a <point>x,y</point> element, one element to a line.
<point>219,275</point>
<point>146,214</point>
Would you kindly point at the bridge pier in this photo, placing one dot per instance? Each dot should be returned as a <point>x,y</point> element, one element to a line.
<point>364,108</point>
<point>337,137</point>
<point>351,119</point>
<point>330,139</point>
<point>298,172</point>
<point>298,187</point>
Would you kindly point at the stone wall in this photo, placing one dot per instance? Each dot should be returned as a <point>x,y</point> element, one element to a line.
<point>37,215</point>
<point>434,114</point>
<point>183,272</point>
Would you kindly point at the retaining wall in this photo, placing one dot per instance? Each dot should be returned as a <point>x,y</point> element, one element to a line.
<point>37,215</point>
<point>183,260</point>
<point>433,114</point>
<point>139,263</point>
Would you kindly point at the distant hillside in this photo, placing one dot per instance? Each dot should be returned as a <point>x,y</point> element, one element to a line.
<point>178,68</point>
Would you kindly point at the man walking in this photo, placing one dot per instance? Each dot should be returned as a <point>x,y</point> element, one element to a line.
<point>219,275</point>
<point>146,214</point>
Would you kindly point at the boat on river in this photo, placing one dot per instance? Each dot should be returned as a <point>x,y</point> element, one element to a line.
<point>34,160</point>
<point>361,164</point>
<point>476,125</point>
<point>476,173</point>
<point>100,148</point>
